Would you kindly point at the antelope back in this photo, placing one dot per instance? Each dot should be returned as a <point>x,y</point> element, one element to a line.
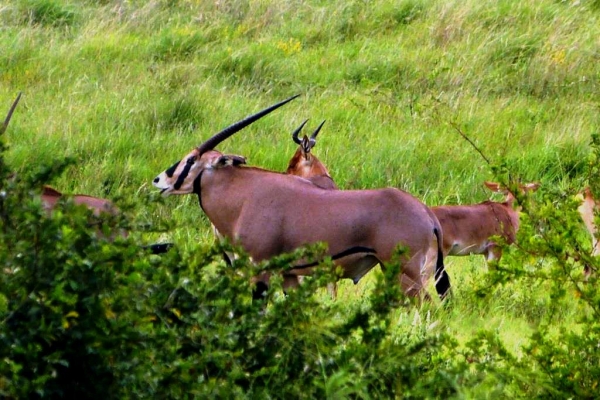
<point>51,196</point>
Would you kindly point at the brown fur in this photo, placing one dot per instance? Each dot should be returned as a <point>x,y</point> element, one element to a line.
<point>51,196</point>
<point>588,208</point>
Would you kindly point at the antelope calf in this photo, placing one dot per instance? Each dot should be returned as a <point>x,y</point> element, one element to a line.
<point>269,213</point>
<point>468,229</point>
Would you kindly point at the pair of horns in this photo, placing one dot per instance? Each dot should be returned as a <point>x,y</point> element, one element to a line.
<point>313,137</point>
<point>9,115</point>
<point>212,142</point>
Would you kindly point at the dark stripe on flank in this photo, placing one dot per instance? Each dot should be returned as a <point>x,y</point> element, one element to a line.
<point>183,175</point>
<point>172,169</point>
<point>345,253</point>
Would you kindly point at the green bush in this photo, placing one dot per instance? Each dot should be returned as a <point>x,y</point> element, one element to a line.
<point>87,313</point>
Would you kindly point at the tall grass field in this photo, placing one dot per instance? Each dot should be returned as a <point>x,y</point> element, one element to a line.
<point>431,97</point>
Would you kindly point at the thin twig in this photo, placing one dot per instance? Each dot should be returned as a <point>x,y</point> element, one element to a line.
<point>461,133</point>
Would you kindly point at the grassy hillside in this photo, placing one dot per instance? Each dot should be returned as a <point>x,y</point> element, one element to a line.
<point>128,87</point>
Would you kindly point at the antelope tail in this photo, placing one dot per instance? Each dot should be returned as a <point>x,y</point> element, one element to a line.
<point>442,280</point>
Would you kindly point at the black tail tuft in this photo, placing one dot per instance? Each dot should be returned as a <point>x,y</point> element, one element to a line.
<point>442,280</point>
<point>159,248</point>
<point>260,291</point>
<point>442,284</point>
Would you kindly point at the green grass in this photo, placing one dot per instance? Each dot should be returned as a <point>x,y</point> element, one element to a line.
<point>126,88</point>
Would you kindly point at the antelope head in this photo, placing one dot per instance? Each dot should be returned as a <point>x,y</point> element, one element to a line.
<point>182,176</point>
<point>302,161</point>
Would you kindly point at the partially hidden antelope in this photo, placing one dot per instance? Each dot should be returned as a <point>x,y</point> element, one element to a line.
<point>469,229</point>
<point>50,196</point>
<point>588,209</point>
<point>269,213</point>
<point>306,165</point>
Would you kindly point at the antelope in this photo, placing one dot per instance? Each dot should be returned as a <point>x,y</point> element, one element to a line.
<point>306,165</point>
<point>269,213</point>
<point>587,209</point>
<point>51,196</point>
<point>468,229</point>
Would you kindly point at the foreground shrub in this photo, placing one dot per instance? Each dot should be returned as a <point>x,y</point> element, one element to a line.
<point>85,316</point>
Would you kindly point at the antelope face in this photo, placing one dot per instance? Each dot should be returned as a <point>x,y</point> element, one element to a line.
<point>182,176</point>
<point>302,161</point>
<point>305,147</point>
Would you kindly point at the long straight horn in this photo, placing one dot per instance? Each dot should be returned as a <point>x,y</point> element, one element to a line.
<point>212,142</point>
<point>297,131</point>
<point>10,113</point>
<point>313,137</point>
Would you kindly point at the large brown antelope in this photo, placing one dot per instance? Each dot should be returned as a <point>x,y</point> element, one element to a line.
<point>269,213</point>
<point>50,196</point>
<point>469,229</point>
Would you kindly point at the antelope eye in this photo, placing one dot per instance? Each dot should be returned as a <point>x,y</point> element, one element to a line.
<point>190,160</point>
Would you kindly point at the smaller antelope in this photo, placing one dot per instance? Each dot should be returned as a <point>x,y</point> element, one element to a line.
<point>51,196</point>
<point>587,210</point>
<point>306,165</point>
<point>98,206</point>
<point>468,229</point>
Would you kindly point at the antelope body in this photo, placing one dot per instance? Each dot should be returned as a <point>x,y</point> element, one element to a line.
<point>51,196</point>
<point>269,213</point>
<point>468,229</point>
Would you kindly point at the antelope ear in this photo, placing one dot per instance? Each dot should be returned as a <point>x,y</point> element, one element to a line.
<point>530,186</point>
<point>494,187</point>
<point>228,159</point>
